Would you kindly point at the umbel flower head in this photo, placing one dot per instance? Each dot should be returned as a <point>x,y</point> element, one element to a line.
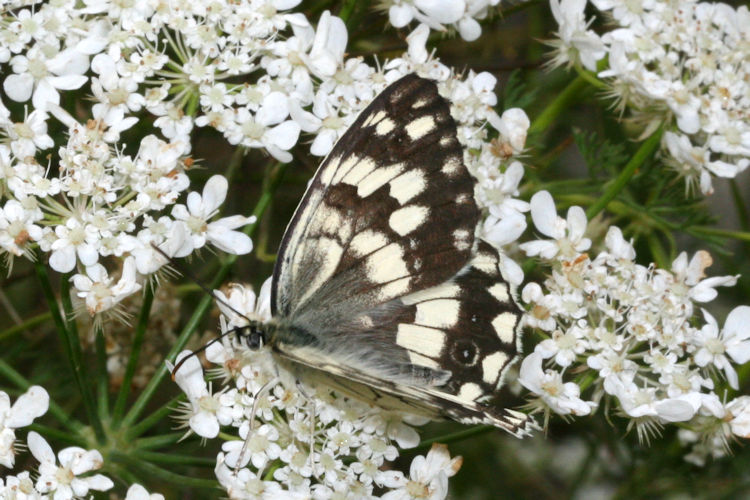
<point>680,65</point>
<point>297,440</point>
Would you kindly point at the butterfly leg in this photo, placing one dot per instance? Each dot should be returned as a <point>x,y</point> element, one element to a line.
<point>253,412</point>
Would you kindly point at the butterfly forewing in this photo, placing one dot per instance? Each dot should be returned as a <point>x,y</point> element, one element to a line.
<point>389,211</point>
<point>379,280</point>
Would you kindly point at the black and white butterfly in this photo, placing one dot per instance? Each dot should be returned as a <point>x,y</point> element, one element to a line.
<point>381,290</point>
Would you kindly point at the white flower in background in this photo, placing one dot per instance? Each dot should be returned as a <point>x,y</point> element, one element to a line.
<point>629,331</point>
<point>100,292</point>
<point>63,480</point>
<point>560,397</point>
<point>203,409</point>
<point>39,76</point>
<point>567,235</point>
<point>462,15</point>
<point>698,89</point>
<point>30,405</point>
<point>20,487</point>
<point>575,43</point>
<point>220,233</point>
<point>138,492</point>
<point>733,341</point>
<point>428,476</point>
<point>75,241</point>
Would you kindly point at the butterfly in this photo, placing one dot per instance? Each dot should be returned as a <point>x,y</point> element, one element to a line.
<point>381,290</point>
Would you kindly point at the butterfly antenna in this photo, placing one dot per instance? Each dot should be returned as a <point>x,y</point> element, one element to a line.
<point>201,349</point>
<point>183,270</point>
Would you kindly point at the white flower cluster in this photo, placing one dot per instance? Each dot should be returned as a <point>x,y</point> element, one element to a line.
<point>98,204</point>
<point>298,442</point>
<point>63,477</point>
<point>630,333</point>
<point>461,15</point>
<point>682,64</point>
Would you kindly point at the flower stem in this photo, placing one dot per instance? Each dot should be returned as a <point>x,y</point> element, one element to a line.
<point>644,152</point>
<point>156,417</point>
<point>162,474</point>
<point>170,458</point>
<point>135,352</point>
<point>68,336</point>
<point>456,436</point>
<point>102,376</point>
<point>26,325</point>
<point>557,106</point>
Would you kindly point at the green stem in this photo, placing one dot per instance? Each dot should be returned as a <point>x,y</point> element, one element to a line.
<point>456,436</point>
<point>158,441</point>
<point>26,325</point>
<point>135,352</point>
<point>102,376</point>
<point>644,152</point>
<point>558,105</point>
<point>346,11</point>
<point>724,233</point>
<point>56,411</point>
<point>162,474</point>
<point>169,458</point>
<point>69,339</point>
<point>203,306</point>
<point>156,417</point>
<point>65,436</point>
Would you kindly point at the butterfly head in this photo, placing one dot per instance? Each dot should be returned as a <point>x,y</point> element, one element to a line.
<point>253,335</point>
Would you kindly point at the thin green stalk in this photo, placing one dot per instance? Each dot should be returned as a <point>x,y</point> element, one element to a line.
<point>102,376</point>
<point>26,325</point>
<point>657,251</point>
<point>724,233</point>
<point>169,458</point>
<point>156,417</point>
<point>346,11</point>
<point>158,441</point>
<point>647,149</point>
<point>65,436</point>
<point>135,352</point>
<point>203,306</point>
<point>69,340</point>
<point>162,474</point>
<point>54,409</point>
<point>559,105</point>
<point>455,436</point>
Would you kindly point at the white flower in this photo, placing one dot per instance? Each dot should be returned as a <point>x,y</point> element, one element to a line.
<point>41,76</point>
<point>63,480</point>
<point>576,43</point>
<point>220,233</point>
<point>17,228</point>
<point>138,492</point>
<point>74,239</point>
<point>428,476</point>
<point>562,398</point>
<point>99,290</point>
<point>732,340</point>
<point>739,409</point>
<point>30,405</point>
<point>204,411</point>
<point>567,234</point>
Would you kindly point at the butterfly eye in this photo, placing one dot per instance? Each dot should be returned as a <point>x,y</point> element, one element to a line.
<point>465,352</point>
